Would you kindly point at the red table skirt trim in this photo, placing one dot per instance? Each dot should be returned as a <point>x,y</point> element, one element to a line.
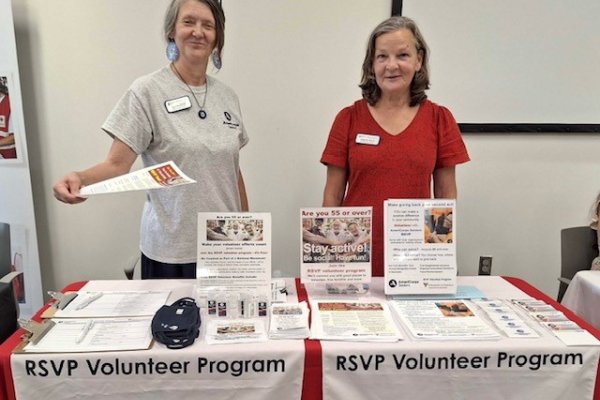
<point>312,382</point>
<point>9,344</point>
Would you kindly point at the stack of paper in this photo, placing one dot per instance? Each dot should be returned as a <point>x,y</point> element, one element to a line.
<point>235,331</point>
<point>506,319</point>
<point>443,320</point>
<point>101,321</point>
<point>289,321</point>
<point>98,334</point>
<point>353,321</point>
<point>564,329</point>
<point>139,303</point>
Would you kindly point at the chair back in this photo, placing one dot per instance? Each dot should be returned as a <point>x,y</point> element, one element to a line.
<point>8,304</point>
<point>5,255</point>
<point>9,311</point>
<point>578,247</point>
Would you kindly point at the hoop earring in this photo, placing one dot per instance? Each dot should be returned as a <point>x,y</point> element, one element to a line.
<point>172,51</point>
<point>216,59</point>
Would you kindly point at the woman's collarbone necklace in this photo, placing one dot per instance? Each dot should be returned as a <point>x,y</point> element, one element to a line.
<point>201,114</point>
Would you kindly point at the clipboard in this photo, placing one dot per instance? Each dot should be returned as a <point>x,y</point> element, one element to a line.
<point>61,301</point>
<point>86,335</point>
<point>34,332</point>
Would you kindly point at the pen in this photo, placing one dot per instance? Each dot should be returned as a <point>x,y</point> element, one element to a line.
<point>84,332</point>
<point>88,301</point>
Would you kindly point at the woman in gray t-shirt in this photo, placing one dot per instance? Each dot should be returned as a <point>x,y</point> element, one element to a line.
<point>177,113</point>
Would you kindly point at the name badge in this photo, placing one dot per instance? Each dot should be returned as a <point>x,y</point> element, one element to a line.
<point>182,103</point>
<point>365,138</point>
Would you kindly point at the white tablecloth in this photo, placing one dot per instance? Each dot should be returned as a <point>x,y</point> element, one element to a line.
<point>256,371</point>
<point>583,296</point>
<point>542,368</point>
<point>537,368</point>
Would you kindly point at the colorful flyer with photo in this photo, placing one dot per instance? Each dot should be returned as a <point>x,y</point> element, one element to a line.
<point>420,246</point>
<point>234,251</point>
<point>158,176</point>
<point>336,245</point>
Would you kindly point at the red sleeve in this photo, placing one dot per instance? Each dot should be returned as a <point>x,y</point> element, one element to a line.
<point>336,149</point>
<point>451,148</point>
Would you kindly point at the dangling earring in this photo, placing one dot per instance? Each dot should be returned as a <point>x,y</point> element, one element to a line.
<point>216,59</point>
<point>172,50</point>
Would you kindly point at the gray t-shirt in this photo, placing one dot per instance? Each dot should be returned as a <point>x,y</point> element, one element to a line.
<point>207,150</point>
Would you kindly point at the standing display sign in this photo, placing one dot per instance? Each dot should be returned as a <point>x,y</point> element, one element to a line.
<point>16,197</point>
<point>234,251</point>
<point>420,246</point>
<point>336,245</point>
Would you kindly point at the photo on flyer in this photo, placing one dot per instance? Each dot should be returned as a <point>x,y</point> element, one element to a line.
<point>336,245</point>
<point>438,225</point>
<point>420,246</point>
<point>234,251</point>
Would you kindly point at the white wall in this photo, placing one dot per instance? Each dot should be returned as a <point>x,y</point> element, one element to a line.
<point>16,199</point>
<point>294,64</point>
<point>514,61</point>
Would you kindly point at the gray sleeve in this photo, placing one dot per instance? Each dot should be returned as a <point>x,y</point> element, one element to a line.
<point>129,122</point>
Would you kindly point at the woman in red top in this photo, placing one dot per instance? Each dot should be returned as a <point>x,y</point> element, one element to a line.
<point>394,142</point>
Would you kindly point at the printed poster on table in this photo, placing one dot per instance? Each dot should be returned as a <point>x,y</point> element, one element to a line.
<point>420,246</point>
<point>336,245</point>
<point>234,251</point>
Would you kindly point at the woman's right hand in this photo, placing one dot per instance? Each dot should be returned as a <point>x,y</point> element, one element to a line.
<point>67,189</point>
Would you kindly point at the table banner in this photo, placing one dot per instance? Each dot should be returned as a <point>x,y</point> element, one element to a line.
<point>271,370</point>
<point>467,371</point>
<point>254,371</point>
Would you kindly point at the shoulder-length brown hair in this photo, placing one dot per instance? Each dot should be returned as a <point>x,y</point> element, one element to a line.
<point>370,91</point>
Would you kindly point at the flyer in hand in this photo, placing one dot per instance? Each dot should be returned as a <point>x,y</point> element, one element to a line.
<point>158,176</point>
<point>420,246</point>
<point>336,245</point>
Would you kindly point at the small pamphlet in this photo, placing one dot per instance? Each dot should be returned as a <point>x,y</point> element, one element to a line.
<point>358,321</point>
<point>506,319</point>
<point>234,252</point>
<point>289,321</point>
<point>224,331</point>
<point>278,291</point>
<point>443,320</point>
<point>564,329</point>
<point>336,245</point>
<point>158,176</point>
<point>420,246</point>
